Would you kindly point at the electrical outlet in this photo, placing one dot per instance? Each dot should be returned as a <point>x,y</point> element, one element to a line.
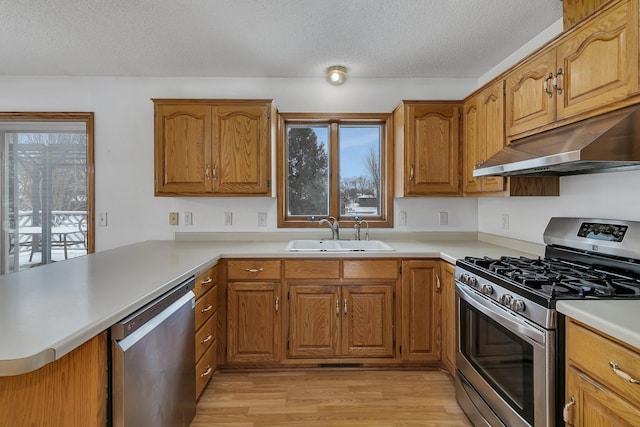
<point>228,218</point>
<point>102,219</point>
<point>443,218</point>
<point>173,218</point>
<point>188,218</point>
<point>262,219</point>
<point>505,221</point>
<point>402,218</point>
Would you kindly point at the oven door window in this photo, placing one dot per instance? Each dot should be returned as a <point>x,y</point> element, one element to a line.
<point>503,359</point>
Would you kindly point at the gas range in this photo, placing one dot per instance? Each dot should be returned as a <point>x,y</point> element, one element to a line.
<point>510,340</point>
<point>531,286</point>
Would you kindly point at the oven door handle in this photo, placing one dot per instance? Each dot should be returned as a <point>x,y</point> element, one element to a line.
<point>500,315</point>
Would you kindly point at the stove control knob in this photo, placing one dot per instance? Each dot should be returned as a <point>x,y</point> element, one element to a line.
<point>506,299</point>
<point>472,282</point>
<point>518,305</point>
<point>487,289</point>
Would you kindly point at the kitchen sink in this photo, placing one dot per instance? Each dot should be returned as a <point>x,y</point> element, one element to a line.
<point>338,246</point>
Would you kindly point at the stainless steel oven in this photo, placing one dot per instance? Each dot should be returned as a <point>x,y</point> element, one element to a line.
<point>505,364</point>
<point>510,340</point>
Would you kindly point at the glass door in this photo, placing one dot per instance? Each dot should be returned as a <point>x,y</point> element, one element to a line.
<point>45,201</point>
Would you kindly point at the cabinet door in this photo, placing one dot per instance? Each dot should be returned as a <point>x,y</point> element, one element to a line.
<point>314,321</point>
<point>420,311</point>
<point>598,65</point>
<point>367,322</point>
<point>432,146</point>
<point>253,322</point>
<point>527,104</point>
<point>471,145</point>
<point>241,149</point>
<point>595,405</point>
<point>182,148</point>
<point>449,316</point>
<point>491,131</point>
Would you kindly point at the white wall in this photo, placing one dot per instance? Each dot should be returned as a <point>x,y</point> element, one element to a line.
<point>124,143</point>
<point>124,152</point>
<point>609,195</point>
<point>614,195</point>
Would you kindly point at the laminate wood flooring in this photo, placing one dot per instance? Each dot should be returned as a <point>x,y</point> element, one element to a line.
<point>336,398</point>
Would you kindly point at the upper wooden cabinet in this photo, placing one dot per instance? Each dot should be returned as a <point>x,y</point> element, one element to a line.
<point>427,138</point>
<point>593,68</point>
<point>483,136</point>
<point>213,147</point>
<point>574,11</point>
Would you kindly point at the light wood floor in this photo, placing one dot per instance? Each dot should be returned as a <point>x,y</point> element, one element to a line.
<point>340,398</point>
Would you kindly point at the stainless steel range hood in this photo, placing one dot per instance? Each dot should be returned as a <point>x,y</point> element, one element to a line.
<point>609,142</point>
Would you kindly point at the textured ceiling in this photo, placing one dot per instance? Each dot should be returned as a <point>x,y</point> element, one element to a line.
<point>266,38</point>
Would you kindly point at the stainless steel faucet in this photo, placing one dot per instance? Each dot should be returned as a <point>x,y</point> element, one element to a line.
<point>357,226</point>
<point>334,226</point>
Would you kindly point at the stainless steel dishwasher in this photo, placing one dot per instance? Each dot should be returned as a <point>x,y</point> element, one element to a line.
<point>153,363</point>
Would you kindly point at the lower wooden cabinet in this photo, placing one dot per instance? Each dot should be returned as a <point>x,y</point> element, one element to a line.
<point>253,322</point>
<point>340,320</point>
<point>448,316</point>
<point>597,391</point>
<point>206,319</point>
<point>420,311</point>
<point>68,392</point>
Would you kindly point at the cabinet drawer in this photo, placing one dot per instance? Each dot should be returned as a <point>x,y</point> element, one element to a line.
<point>371,269</point>
<point>312,269</point>
<point>592,353</point>
<point>205,336</point>
<point>206,306</point>
<point>205,368</point>
<point>206,281</point>
<point>253,269</point>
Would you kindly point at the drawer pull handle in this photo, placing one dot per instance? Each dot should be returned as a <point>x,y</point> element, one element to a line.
<point>345,306</point>
<point>337,307</point>
<point>622,374</point>
<point>438,285</point>
<point>277,304</point>
<point>207,281</point>
<point>206,372</point>
<point>207,308</point>
<point>565,411</point>
<point>254,270</point>
<point>207,339</point>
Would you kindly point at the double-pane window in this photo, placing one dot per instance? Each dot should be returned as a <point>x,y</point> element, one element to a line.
<point>334,167</point>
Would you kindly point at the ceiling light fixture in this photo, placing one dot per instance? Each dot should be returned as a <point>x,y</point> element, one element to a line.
<point>336,75</point>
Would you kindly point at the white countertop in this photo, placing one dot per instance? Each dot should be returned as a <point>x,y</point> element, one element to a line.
<point>48,311</point>
<point>619,319</point>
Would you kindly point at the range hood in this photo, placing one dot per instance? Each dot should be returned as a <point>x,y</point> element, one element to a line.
<point>605,143</point>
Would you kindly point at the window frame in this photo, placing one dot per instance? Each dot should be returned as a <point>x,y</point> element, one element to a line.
<point>334,120</point>
<point>88,119</point>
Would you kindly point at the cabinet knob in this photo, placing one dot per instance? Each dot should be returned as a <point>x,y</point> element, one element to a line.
<point>206,372</point>
<point>565,411</point>
<point>548,85</point>
<point>616,370</point>
<point>557,85</point>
